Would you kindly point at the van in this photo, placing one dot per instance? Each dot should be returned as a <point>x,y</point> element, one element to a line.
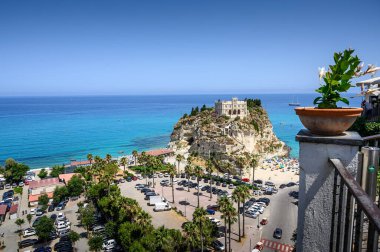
<point>155,199</point>
<point>162,206</point>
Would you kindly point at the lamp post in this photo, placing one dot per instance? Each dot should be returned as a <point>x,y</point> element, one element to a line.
<point>185,205</point>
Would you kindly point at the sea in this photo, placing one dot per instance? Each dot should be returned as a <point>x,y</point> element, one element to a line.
<point>46,131</point>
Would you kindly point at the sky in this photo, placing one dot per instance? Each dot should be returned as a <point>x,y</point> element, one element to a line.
<point>77,47</point>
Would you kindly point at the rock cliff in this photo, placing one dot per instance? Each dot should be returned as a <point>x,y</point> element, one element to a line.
<point>225,138</point>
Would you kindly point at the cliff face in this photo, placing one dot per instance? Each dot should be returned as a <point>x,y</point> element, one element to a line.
<point>226,138</point>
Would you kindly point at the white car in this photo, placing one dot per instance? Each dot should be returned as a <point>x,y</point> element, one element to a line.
<point>110,244</point>
<point>62,224</point>
<point>257,208</point>
<point>215,221</point>
<point>251,214</point>
<point>262,204</point>
<point>166,175</point>
<point>29,232</point>
<point>61,217</point>
<point>33,211</point>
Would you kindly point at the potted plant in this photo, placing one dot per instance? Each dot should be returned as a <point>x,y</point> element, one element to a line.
<point>327,118</point>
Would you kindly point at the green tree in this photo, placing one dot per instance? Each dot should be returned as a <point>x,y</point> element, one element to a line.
<point>56,170</point>
<point>143,219</point>
<point>189,171</point>
<point>199,217</point>
<point>13,171</point>
<point>43,201</point>
<point>59,194</point>
<point>90,158</point>
<point>244,194</point>
<point>135,154</point>
<point>19,223</point>
<point>198,171</point>
<point>87,218</point>
<point>230,213</point>
<point>74,237</point>
<point>75,186</point>
<point>223,205</point>
<point>253,163</point>
<point>95,243</point>
<point>29,218</point>
<point>42,174</point>
<point>179,158</point>
<point>108,158</point>
<point>209,168</point>
<point>239,195</point>
<point>44,227</point>
<point>172,173</point>
<point>110,229</point>
<point>123,162</point>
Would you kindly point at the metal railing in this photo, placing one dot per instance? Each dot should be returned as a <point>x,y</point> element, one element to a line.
<point>355,222</point>
<point>356,218</point>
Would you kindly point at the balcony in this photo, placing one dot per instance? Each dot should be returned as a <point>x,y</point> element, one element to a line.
<point>338,207</point>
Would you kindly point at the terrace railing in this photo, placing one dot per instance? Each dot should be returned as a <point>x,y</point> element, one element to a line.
<point>356,216</point>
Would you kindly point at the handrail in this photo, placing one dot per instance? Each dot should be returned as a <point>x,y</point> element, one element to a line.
<point>373,137</point>
<point>364,201</point>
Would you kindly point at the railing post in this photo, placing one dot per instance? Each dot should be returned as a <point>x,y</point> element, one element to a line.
<point>369,180</point>
<point>316,199</point>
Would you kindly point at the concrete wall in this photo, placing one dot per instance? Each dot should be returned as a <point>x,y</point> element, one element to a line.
<point>317,184</point>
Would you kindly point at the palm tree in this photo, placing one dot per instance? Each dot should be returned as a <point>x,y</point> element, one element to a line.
<point>189,171</point>
<point>90,158</point>
<point>179,158</point>
<point>244,195</point>
<point>199,216</point>
<point>135,155</point>
<point>223,204</point>
<point>198,172</point>
<point>143,219</point>
<point>240,162</point>
<point>108,158</point>
<point>209,168</point>
<point>123,162</point>
<point>191,234</point>
<point>172,173</point>
<point>253,164</point>
<point>237,197</point>
<point>229,212</point>
<point>19,223</point>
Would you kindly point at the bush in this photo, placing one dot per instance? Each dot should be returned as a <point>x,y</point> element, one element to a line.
<point>42,174</point>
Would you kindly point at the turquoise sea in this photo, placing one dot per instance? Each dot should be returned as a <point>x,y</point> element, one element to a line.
<point>43,131</point>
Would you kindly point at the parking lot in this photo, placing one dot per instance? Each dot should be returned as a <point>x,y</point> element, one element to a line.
<point>9,228</point>
<point>281,211</point>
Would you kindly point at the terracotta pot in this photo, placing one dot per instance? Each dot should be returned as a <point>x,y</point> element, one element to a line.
<point>328,122</point>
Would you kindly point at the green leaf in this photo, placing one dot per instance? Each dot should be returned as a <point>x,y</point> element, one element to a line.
<point>344,100</point>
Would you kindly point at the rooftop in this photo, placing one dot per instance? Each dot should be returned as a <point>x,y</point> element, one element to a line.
<point>34,198</point>
<point>44,183</point>
<point>159,152</point>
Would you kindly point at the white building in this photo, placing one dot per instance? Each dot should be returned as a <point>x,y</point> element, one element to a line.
<point>233,108</point>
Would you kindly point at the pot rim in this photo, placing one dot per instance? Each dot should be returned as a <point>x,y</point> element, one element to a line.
<point>337,112</point>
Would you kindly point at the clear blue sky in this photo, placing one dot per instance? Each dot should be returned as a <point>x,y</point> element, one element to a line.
<point>92,47</point>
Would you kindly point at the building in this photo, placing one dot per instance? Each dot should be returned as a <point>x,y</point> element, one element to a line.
<point>13,212</point>
<point>233,108</point>
<point>43,186</point>
<point>65,178</point>
<point>160,152</point>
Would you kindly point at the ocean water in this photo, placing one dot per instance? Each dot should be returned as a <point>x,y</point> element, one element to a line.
<point>43,131</point>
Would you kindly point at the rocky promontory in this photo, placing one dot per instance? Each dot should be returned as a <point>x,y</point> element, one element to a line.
<point>204,133</point>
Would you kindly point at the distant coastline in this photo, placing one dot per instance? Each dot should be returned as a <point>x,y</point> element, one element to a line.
<point>54,130</point>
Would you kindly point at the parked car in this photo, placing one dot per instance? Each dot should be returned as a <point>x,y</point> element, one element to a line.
<point>27,243</point>
<point>60,206</point>
<point>217,245</point>
<point>62,244</point>
<point>29,232</point>
<point>210,211</point>
<point>224,184</point>
<point>290,184</point>
<point>277,233</point>
<point>21,184</point>
<point>39,212</point>
<point>264,221</point>
<point>43,249</point>
<point>61,216</point>
<point>7,186</point>
<point>282,186</point>
<point>51,208</point>
<point>110,244</point>
<point>213,207</point>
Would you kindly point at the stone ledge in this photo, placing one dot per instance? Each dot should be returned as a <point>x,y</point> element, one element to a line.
<point>347,138</point>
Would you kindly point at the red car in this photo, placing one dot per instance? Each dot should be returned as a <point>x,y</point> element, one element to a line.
<point>245,179</point>
<point>134,178</point>
<point>26,182</point>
